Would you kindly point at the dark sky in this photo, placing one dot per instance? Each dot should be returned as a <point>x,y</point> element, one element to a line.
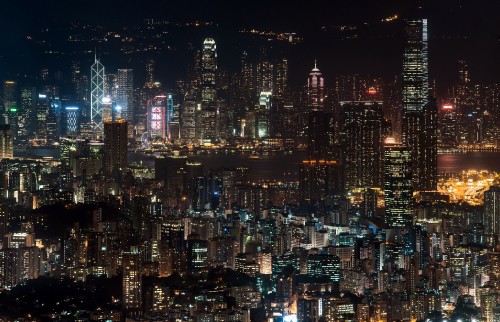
<point>467,29</point>
<point>289,14</point>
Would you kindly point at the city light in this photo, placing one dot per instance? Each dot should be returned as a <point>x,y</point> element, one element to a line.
<point>200,162</point>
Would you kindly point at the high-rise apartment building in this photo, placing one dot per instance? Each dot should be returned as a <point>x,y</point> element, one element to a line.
<point>361,142</point>
<point>491,216</point>
<point>132,279</point>
<point>115,147</point>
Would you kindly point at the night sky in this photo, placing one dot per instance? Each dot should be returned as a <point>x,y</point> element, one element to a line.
<point>459,29</point>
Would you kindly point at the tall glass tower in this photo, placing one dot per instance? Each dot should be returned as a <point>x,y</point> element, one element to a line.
<point>398,190</point>
<point>96,95</point>
<point>315,89</point>
<point>415,66</point>
<point>208,90</point>
<point>419,112</point>
<point>125,93</point>
<point>209,68</point>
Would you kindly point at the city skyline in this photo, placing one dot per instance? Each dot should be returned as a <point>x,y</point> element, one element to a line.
<point>279,162</point>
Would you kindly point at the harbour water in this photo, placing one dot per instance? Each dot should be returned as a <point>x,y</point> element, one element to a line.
<point>279,166</point>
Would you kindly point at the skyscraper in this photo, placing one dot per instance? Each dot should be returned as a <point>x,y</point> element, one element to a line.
<point>208,90</point>
<point>315,89</point>
<point>398,190</point>
<point>448,129</point>
<point>115,147</point>
<point>321,136</point>
<point>209,69</point>
<point>361,141</point>
<point>6,142</point>
<point>25,114</point>
<point>42,109</point>
<point>491,216</point>
<point>132,279</point>
<point>319,177</point>
<point>72,118</point>
<point>125,94</point>
<point>9,102</point>
<point>96,96</point>
<point>157,121</point>
<point>419,113</point>
<point>262,115</point>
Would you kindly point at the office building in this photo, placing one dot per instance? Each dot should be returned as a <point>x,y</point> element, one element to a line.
<point>72,120</point>
<point>124,85</point>
<point>208,90</point>
<point>9,102</point>
<point>97,92</point>
<point>398,186</point>
<point>448,126</point>
<point>25,115</point>
<point>315,89</point>
<point>419,113</point>
<point>6,142</point>
<point>157,119</point>
<point>262,115</point>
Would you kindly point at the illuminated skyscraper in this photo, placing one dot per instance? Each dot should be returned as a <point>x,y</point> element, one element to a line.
<point>188,118</point>
<point>281,78</point>
<point>315,89</point>
<point>72,118</point>
<point>209,69</point>
<point>398,190</point>
<point>262,115</point>
<point>491,217</point>
<point>6,142</point>
<point>448,126</point>
<point>361,141</point>
<point>9,102</point>
<point>42,110</point>
<point>96,96</point>
<point>115,147</point>
<point>415,67</point>
<point>25,114</point>
<point>157,120</point>
<point>132,279</point>
<point>208,90</point>
<point>51,122</point>
<point>125,94</point>
<point>171,118</point>
<point>419,113</point>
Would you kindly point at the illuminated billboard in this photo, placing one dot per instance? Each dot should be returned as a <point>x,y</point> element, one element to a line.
<point>157,117</point>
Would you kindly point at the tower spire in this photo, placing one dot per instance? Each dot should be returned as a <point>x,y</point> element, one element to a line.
<point>315,63</point>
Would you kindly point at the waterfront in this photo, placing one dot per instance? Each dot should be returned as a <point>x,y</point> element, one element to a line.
<point>458,162</point>
<point>279,166</point>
